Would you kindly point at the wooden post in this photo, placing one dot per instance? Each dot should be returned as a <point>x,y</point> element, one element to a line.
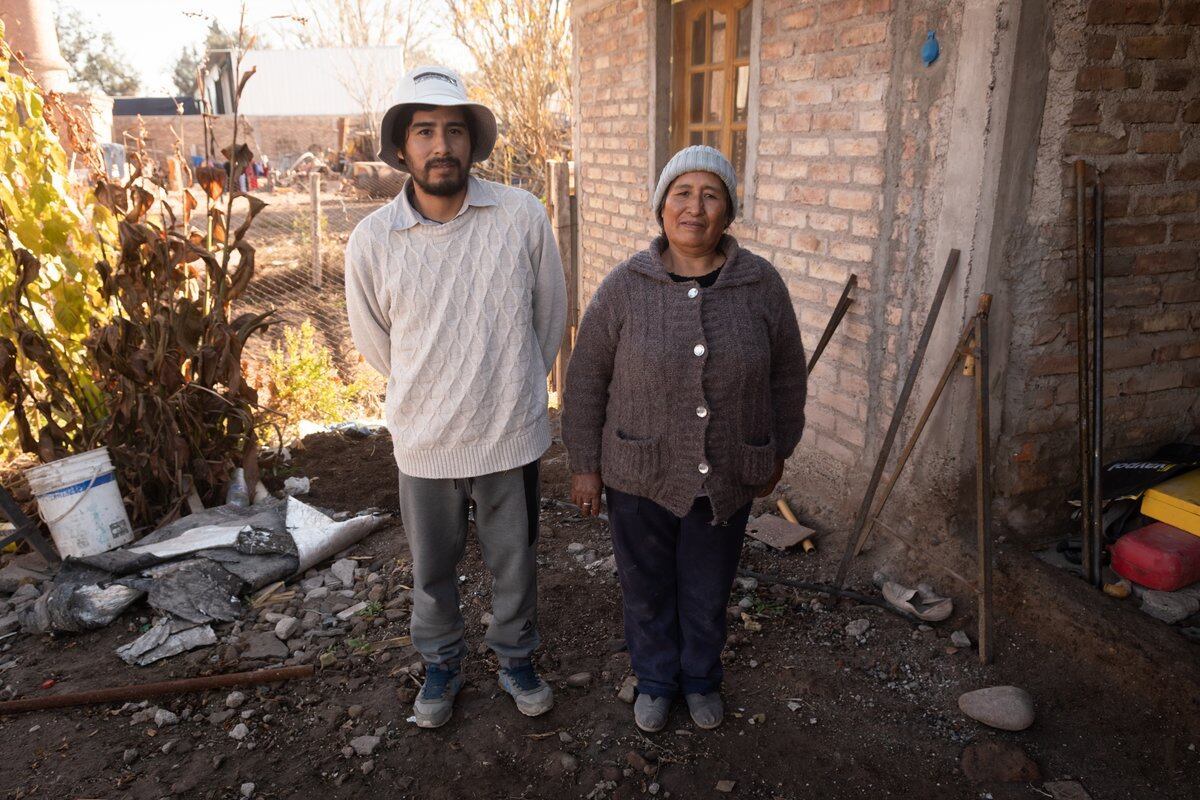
<point>314,189</point>
<point>558,205</point>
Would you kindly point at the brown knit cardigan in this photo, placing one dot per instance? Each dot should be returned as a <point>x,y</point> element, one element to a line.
<point>674,390</point>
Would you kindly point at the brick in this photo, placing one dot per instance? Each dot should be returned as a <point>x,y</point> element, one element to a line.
<point>1183,12</point>
<point>1157,46</point>
<point>1172,80</point>
<point>841,10</point>
<point>1131,296</point>
<point>816,42</point>
<point>1107,78</point>
<point>1136,173</point>
<point>1189,171</point>
<point>1101,47</point>
<point>1123,12</point>
<point>1086,111</point>
<point>1156,205</point>
<point>1160,142</point>
<point>1147,111</point>
<point>1055,364</point>
<point>1135,235</point>
<point>1094,143</point>
<point>1191,112</point>
<point>856,147</point>
<point>799,19</point>
<point>847,251</point>
<point>837,223</point>
<point>872,33</point>
<point>1181,292</point>
<point>851,200</point>
<point>1185,232</point>
<point>810,147</point>
<point>1165,261</point>
<point>832,121</point>
<point>812,95</point>
<point>837,66</point>
<point>831,172</point>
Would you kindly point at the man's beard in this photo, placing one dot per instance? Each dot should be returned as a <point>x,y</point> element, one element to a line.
<point>445,187</point>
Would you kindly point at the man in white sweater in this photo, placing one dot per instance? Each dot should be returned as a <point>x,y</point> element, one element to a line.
<point>455,292</point>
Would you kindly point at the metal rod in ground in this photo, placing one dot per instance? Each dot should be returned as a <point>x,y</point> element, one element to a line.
<point>1082,334</point>
<point>834,591</point>
<point>967,333</point>
<point>314,192</point>
<point>885,449</point>
<point>839,311</point>
<point>1092,564</point>
<point>983,485</point>
<point>143,691</point>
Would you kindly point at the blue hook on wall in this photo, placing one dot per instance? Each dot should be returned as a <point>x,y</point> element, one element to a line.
<point>930,50</point>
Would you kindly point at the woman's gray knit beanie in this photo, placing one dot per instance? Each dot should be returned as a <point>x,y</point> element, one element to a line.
<point>697,158</point>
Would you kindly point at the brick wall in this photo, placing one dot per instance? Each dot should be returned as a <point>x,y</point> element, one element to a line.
<point>275,136</point>
<point>1123,94</point>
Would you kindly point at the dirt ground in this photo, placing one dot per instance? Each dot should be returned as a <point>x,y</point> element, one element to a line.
<point>814,712</point>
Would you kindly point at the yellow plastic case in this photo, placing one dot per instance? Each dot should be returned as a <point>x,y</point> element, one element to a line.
<point>1176,502</point>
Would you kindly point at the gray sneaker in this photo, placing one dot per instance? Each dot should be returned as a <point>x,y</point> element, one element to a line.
<point>650,713</point>
<point>533,695</point>
<point>435,703</point>
<point>707,710</point>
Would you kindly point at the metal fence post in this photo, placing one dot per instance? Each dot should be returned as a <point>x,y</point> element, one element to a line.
<point>314,188</point>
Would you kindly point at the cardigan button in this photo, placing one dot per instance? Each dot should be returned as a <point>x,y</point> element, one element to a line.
<point>703,468</point>
<point>701,412</point>
<point>698,350</point>
<point>693,292</point>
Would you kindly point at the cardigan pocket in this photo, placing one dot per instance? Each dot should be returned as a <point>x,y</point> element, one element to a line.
<point>758,463</point>
<point>634,460</point>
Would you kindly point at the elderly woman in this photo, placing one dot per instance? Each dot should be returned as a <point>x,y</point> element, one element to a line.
<point>684,396</point>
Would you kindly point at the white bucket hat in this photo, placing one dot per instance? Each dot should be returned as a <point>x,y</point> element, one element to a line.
<point>436,86</point>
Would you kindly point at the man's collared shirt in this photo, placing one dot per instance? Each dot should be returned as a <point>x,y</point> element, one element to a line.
<point>405,214</point>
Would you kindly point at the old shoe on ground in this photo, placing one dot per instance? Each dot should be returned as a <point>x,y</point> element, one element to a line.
<point>650,713</point>
<point>707,710</point>
<point>435,703</point>
<point>532,694</point>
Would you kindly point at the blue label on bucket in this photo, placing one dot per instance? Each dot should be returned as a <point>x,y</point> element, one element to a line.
<point>82,486</point>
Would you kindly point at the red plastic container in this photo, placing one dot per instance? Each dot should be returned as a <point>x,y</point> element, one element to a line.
<point>1158,556</point>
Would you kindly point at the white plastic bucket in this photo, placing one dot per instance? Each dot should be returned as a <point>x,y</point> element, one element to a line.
<point>80,502</point>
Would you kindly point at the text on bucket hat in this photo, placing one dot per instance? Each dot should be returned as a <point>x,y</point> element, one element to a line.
<point>435,86</point>
<point>697,158</point>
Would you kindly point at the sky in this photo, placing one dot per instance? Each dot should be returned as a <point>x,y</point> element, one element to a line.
<point>152,33</point>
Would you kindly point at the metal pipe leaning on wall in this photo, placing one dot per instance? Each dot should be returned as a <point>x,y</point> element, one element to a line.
<point>1083,362</point>
<point>1092,567</point>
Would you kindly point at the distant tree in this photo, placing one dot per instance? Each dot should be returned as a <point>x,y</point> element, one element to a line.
<point>93,58</point>
<point>522,53</point>
<point>190,59</point>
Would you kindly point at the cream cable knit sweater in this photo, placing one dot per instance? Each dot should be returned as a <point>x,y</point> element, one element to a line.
<point>464,319</point>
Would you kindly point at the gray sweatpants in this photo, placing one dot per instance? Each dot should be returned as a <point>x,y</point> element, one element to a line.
<point>434,513</point>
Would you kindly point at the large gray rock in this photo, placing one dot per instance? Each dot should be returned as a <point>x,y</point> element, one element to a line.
<point>1008,708</point>
<point>1170,607</point>
<point>364,745</point>
<point>344,571</point>
<point>264,646</point>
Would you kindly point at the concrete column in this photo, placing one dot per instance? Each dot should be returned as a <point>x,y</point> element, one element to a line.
<point>29,28</point>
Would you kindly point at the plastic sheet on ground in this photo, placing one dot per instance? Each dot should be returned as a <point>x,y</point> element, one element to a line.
<point>167,637</point>
<point>197,567</point>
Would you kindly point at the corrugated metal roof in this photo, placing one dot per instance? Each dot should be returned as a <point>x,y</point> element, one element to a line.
<point>322,81</point>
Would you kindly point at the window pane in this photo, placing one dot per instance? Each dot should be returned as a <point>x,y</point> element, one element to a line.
<point>695,137</point>
<point>743,32</point>
<point>716,100</point>
<point>698,26</point>
<point>741,95</point>
<point>713,139</point>
<point>718,38</point>
<point>696,98</point>
<point>739,155</point>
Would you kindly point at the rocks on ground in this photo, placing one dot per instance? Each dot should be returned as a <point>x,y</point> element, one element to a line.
<point>1007,708</point>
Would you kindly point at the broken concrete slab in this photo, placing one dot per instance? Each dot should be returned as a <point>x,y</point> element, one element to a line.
<point>264,645</point>
<point>1170,607</point>
<point>166,638</point>
<point>778,532</point>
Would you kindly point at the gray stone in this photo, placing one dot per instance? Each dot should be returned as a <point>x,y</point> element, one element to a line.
<point>344,571</point>
<point>247,789</point>
<point>367,767</point>
<point>364,745</point>
<point>143,716</point>
<point>164,718</point>
<point>349,612</point>
<point>569,762</point>
<point>354,712</point>
<point>1066,790</point>
<point>1008,708</point>
<point>219,717</point>
<point>309,584</point>
<point>579,680</point>
<point>745,584</point>
<point>317,594</point>
<point>576,547</point>
<point>858,627</point>
<point>130,756</point>
<point>239,732</point>
<point>9,623</point>
<point>26,593</point>
<point>234,700</point>
<point>1170,607</point>
<point>264,646</point>
<point>286,627</point>
<point>960,639</point>
<point>628,693</point>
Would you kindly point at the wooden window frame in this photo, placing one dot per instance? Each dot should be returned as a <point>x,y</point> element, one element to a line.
<point>683,14</point>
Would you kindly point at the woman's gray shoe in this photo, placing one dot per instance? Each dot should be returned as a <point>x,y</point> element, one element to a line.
<point>533,695</point>
<point>435,703</point>
<point>707,710</point>
<point>650,713</point>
